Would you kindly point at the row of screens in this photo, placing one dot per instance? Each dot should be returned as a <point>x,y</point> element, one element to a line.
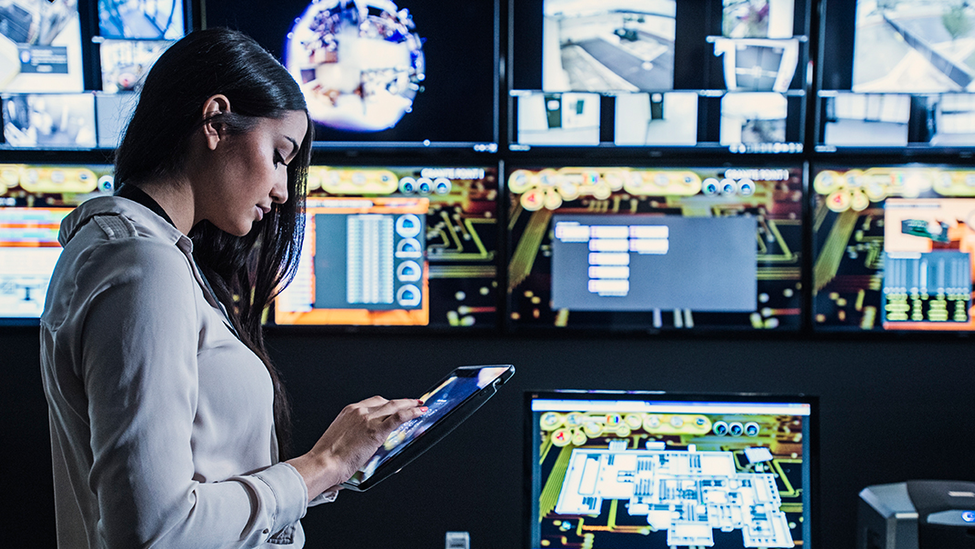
<point>659,470</point>
<point>733,74</point>
<point>57,46</point>
<point>603,248</point>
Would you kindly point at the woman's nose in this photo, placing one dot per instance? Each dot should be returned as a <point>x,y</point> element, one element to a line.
<point>279,192</point>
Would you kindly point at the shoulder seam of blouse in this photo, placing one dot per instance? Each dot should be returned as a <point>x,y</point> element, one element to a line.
<point>115,226</point>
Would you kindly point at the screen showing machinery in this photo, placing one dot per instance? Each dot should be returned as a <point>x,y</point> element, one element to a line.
<point>905,80</point>
<point>655,470</point>
<point>33,201</point>
<point>397,246</point>
<point>655,248</point>
<point>659,73</point>
<point>382,72</point>
<point>892,247</point>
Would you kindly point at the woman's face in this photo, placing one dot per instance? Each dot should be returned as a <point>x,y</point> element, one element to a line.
<point>249,172</point>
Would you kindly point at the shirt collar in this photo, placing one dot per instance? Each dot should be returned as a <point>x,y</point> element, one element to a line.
<point>136,194</point>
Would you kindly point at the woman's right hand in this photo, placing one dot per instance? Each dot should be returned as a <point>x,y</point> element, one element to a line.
<point>351,439</point>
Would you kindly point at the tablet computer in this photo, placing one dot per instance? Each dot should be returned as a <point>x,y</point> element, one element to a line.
<point>449,402</point>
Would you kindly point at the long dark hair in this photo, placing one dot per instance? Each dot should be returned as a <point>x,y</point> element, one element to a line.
<point>246,272</point>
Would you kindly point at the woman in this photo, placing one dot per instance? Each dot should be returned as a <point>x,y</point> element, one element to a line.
<point>168,420</point>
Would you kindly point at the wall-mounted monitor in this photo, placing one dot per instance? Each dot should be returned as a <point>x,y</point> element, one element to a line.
<point>33,201</point>
<point>384,73</point>
<point>155,20</point>
<point>403,246</point>
<point>49,121</point>
<point>40,47</point>
<point>893,247</point>
<point>651,248</point>
<point>662,470</point>
<point>896,75</point>
<point>658,73</point>
<point>132,35</point>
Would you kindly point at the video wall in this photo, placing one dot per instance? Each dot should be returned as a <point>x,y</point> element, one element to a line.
<point>659,73</point>
<point>569,166</point>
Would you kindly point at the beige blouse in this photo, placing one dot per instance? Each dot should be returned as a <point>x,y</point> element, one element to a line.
<point>161,419</point>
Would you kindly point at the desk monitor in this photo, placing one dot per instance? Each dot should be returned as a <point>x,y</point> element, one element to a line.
<point>33,201</point>
<point>893,247</point>
<point>407,246</point>
<point>659,470</point>
<point>627,248</point>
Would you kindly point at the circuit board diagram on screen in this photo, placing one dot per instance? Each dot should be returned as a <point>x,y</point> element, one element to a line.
<point>686,493</point>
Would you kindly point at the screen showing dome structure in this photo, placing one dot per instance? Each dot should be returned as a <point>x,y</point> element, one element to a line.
<point>360,63</point>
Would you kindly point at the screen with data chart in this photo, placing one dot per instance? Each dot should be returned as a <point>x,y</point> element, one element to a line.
<point>893,247</point>
<point>397,246</point>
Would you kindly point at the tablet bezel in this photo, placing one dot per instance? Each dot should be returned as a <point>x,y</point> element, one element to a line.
<point>439,429</point>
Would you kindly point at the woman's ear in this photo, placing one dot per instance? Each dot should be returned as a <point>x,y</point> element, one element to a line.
<point>213,128</point>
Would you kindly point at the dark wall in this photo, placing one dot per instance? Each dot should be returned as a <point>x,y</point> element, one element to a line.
<point>891,410</point>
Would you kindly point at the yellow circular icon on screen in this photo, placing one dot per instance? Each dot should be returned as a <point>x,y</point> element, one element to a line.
<point>552,199</point>
<point>838,201</point>
<point>575,419</point>
<point>579,438</point>
<point>533,200</point>
<point>592,428</point>
<point>562,437</point>
<point>551,420</point>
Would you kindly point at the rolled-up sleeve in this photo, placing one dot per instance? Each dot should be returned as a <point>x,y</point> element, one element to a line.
<point>140,373</point>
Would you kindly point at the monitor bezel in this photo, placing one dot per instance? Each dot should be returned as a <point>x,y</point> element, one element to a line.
<point>649,395</point>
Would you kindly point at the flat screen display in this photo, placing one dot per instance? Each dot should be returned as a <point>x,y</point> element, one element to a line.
<point>892,248</point>
<point>397,246</point>
<point>49,121</point>
<point>662,73</point>
<point>147,20</point>
<point>132,35</point>
<point>904,81</point>
<point>40,47</point>
<point>659,470</point>
<point>33,201</point>
<point>643,248</point>
<point>384,73</point>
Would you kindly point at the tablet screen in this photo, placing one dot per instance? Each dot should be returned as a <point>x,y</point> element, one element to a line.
<point>460,385</point>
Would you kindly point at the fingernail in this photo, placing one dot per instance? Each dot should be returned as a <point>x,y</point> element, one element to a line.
<point>423,408</point>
